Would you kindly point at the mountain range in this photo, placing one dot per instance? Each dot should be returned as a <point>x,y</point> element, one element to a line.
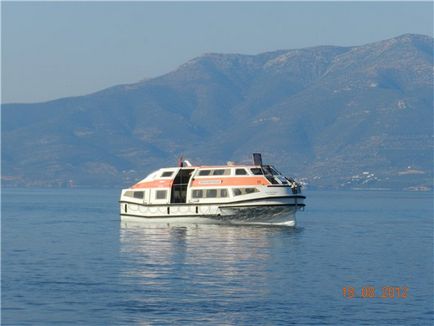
<point>333,117</point>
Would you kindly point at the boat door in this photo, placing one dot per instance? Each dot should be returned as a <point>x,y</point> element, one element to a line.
<point>179,186</point>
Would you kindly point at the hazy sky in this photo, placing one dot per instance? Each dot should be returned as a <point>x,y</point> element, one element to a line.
<point>58,49</point>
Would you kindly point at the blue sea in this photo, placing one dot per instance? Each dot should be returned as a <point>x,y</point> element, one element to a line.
<point>355,258</point>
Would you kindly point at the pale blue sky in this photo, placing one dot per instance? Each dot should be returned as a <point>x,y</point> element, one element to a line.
<point>52,49</point>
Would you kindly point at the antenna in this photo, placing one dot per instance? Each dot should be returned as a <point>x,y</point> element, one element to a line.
<point>180,161</point>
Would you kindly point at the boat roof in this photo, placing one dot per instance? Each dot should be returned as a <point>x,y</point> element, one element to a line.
<point>217,166</point>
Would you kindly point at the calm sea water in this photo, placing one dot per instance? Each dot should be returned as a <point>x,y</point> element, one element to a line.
<point>67,259</point>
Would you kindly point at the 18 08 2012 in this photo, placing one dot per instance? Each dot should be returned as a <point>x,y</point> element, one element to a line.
<point>385,292</point>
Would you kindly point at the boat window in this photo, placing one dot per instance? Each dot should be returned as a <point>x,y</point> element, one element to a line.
<point>160,194</point>
<point>128,194</point>
<point>256,171</point>
<point>211,193</point>
<point>236,191</point>
<point>274,170</point>
<point>221,172</point>
<point>240,172</point>
<point>138,194</point>
<point>268,173</point>
<point>204,172</point>
<point>244,191</point>
<point>197,193</point>
<point>267,170</point>
<point>167,174</point>
<point>223,193</point>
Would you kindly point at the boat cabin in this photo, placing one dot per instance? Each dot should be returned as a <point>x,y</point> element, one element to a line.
<point>207,184</point>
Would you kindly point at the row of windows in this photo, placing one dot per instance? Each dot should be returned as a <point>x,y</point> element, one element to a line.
<point>159,194</point>
<point>202,173</point>
<point>210,193</point>
<point>239,171</point>
<point>135,194</point>
<point>197,193</point>
<point>244,191</point>
<point>221,193</point>
<point>215,172</point>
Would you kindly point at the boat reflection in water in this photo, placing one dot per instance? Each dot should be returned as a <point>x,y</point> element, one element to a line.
<point>199,269</point>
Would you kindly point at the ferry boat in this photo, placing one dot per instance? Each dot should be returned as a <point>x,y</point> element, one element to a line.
<point>240,194</point>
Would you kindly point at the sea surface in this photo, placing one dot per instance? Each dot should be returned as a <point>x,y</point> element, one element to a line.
<point>67,259</point>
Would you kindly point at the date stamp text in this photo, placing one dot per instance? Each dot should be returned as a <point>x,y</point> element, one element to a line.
<point>371,292</point>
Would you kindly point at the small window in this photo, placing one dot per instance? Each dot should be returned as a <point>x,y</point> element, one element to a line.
<point>160,194</point>
<point>167,174</point>
<point>256,171</point>
<point>240,172</point>
<point>138,194</point>
<point>197,193</point>
<point>211,193</point>
<point>221,172</point>
<point>267,170</point>
<point>244,191</point>
<point>204,172</point>
<point>129,194</point>
<point>236,191</point>
<point>251,190</point>
<point>274,171</point>
<point>223,193</point>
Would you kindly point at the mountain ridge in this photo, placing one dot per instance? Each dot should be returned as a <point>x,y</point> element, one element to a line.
<point>325,114</point>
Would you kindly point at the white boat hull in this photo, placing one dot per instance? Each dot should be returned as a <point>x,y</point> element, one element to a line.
<point>274,211</point>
